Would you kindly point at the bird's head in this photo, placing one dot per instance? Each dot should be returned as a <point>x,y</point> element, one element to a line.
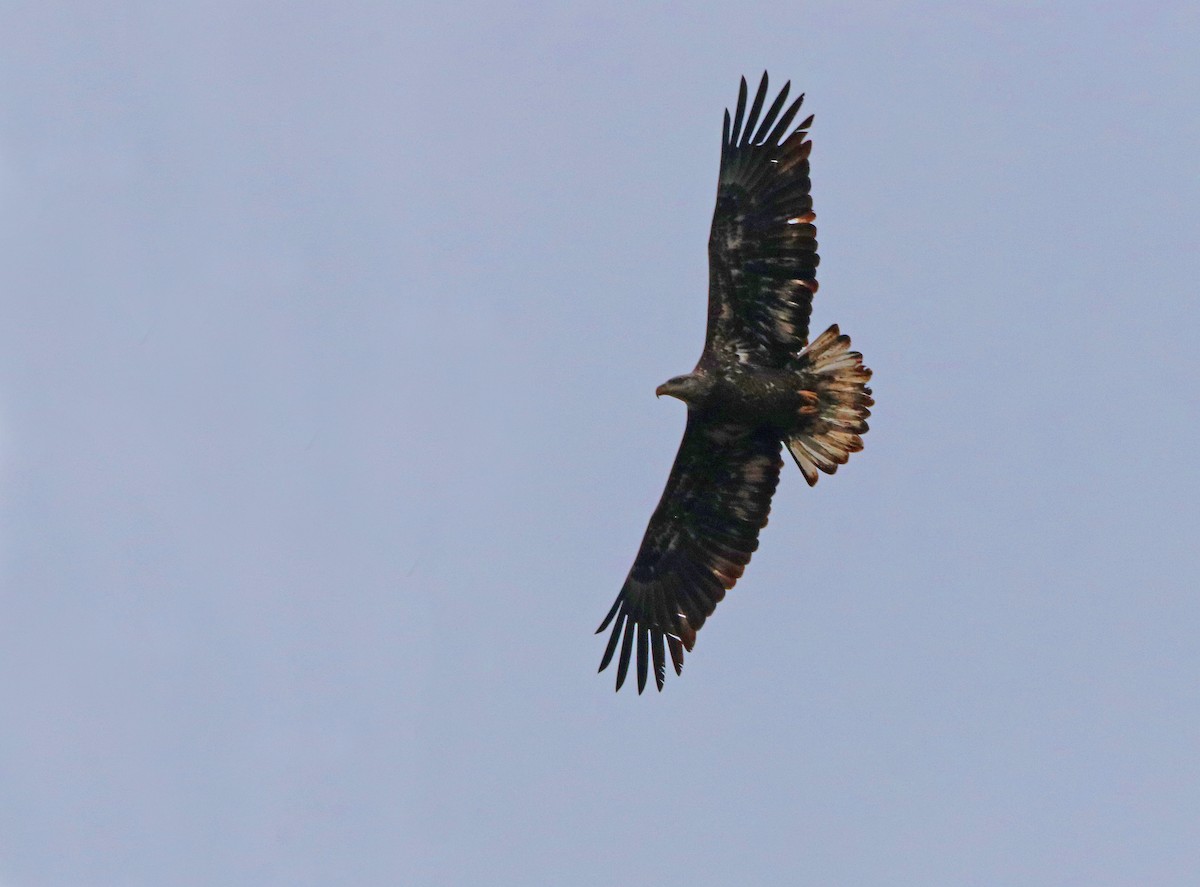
<point>686,388</point>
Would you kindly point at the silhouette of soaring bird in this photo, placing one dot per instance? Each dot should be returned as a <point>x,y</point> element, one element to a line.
<point>759,385</point>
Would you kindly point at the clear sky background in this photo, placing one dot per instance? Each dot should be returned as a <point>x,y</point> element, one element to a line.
<point>328,345</point>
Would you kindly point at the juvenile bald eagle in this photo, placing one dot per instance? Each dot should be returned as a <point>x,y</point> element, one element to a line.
<point>759,385</point>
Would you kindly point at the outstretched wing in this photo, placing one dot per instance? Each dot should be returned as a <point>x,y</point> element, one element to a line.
<point>762,251</point>
<point>699,541</point>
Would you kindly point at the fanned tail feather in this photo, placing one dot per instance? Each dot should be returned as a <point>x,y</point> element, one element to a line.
<point>838,418</point>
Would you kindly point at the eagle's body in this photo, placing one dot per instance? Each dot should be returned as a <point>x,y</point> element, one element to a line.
<point>748,395</point>
<point>759,385</point>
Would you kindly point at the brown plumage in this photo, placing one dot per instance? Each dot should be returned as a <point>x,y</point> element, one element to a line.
<point>757,387</point>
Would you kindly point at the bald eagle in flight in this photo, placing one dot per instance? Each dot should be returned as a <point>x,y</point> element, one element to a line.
<point>760,385</point>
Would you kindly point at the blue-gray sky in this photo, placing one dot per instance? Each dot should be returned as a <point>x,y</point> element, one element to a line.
<point>328,345</point>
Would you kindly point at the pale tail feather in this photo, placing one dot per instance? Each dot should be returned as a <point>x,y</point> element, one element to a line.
<point>839,416</point>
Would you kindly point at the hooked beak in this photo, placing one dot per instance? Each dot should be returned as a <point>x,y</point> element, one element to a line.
<point>660,390</point>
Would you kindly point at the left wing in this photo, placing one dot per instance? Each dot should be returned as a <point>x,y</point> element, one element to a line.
<point>762,250</point>
<point>699,541</point>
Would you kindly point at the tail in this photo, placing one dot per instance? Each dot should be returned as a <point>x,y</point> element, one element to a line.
<point>838,409</point>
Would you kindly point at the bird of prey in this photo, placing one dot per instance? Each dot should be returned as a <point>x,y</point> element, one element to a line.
<point>759,385</point>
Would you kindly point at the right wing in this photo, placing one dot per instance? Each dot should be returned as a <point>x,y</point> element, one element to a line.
<point>697,545</point>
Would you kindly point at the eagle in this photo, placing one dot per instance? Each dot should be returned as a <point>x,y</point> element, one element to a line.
<point>758,387</point>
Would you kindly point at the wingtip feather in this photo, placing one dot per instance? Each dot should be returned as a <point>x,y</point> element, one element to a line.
<point>741,109</point>
<point>785,121</point>
<point>611,613</point>
<point>660,668</point>
<point>759,97</point>
<point>611,647</point>
<point>626,650</point>
<point>676,648</point>
<point>772,114</point>
<point>643,656</point>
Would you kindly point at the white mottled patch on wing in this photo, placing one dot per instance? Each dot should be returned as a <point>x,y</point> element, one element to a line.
<point>733,236</point>
<point>742,510</point>
<point>755,473</point>
<point>756,470</point>
<point>724,434</point>
<point>782,315</point>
